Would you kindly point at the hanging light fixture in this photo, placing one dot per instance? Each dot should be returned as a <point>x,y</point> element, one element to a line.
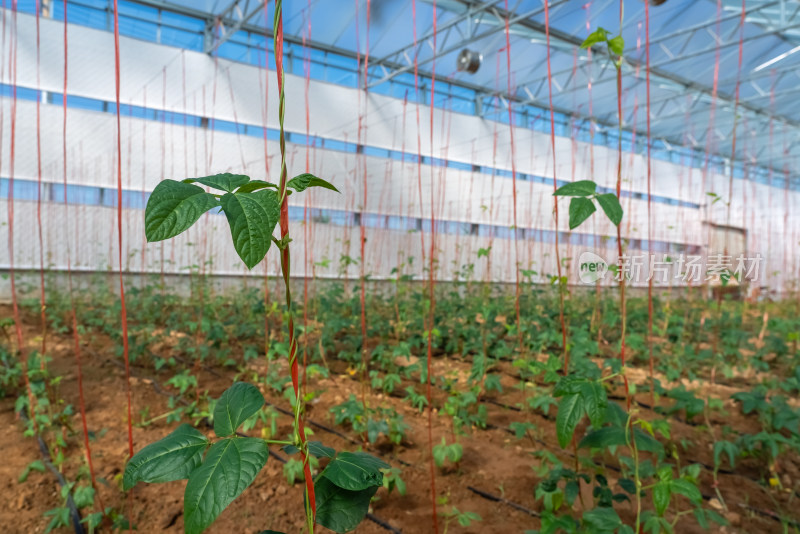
<point>469,61</point>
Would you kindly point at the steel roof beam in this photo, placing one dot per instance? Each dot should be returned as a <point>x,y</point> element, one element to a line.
<point>482,10</point>
<point>231,20</point>
<point>682,85</point>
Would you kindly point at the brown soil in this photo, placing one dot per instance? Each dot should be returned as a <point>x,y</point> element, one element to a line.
<point>494,460</point>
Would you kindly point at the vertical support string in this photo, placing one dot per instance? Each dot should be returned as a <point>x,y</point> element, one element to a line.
<point>622,301</point>
<point>432,275</point>
<point>362,159</point>
<point>286,262</point>
<point>123,308</point>
<point>21,348</point>
<point>513,177</point>
<point>265,122</point>
<point>143,266</point>
<point>555,186</point>
<point>431,465</point>
<point>306,220</point>
<point>649,204</point>
<point>42,294</point>
<point>73,312</point>
<point>710,131</point>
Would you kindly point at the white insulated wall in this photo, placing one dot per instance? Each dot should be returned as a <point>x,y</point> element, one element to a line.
<point>225,90</point>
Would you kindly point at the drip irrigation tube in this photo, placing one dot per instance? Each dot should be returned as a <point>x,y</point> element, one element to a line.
<point>496,498</point>
<point>74,514</point>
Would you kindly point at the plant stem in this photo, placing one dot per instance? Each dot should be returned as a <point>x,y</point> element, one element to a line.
<point>278,442</point>
<point>631,442</point>
<point>714,473</point>
<point>299,430</point>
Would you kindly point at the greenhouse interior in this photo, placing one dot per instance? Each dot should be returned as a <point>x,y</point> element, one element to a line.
<point>405,266</point>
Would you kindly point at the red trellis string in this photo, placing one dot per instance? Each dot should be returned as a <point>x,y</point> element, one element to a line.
<point>431,272</point>
<point>14,302</point>
<point>42,294</point>
<point>513,175</point>
<point>306,221</point>
<point>123,309</point>
<point>555,186</point>
<point>619,229</point>
<point>649,202</point>
<point>736,118</point>
<point>284,253</point>
<point>73,313</point>
<point>422,240</point>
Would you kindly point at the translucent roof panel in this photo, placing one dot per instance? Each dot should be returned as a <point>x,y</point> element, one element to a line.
<point>694,58</point>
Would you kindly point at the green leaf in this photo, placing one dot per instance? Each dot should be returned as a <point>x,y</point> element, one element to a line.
<point>239,402</point>
<point>580,209</point>
<point>600,35</point>
<point>93,520</point>
<point>173,207</point>
<point>661,497</point>
<point>664,473</point>
<point>603,438</point>
<point>339,509</point>
<point>728,448</point>
<point>681,486</point>
<point>602,519</point>
<point>610,436</point>
<point>225,181</point>
<point>568,385</point>
<point>230,466</point>
<point>628,485</point>
<point>440,453</point>
<point>301,182</point>
<point>252,218</point>
<point>60,517</point>
<point>315,448</point>
<point>171,458</point>
<point>715,517</point>
<point>595,402</point>
<point>570,412</point>
<point>36,465</point>
<point>571,491</point>
<point>581,188</point>
<point>611,206</point>
<point>355,471</point>
<point>701,518</point>
<point>647,443</point>
<point>617,45</point>
<point>255,185</point>
<point>83,496</point>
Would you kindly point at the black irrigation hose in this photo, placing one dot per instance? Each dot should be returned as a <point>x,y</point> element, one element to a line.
<point>382,523</point>
<point>770,515</point>
<point>497,498</point>
<point>74,514</point>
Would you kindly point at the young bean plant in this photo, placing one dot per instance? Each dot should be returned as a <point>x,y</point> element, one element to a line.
<point>339,497</point>
<point>219,472</point>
